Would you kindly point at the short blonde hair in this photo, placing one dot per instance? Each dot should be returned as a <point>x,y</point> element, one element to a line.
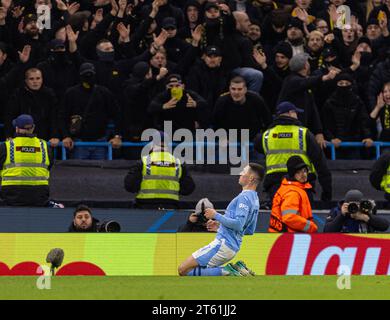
<point>316,33</point>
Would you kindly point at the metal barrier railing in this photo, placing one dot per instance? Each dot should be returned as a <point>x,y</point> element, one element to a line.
<point>199,146</point>
<point>377,145</point>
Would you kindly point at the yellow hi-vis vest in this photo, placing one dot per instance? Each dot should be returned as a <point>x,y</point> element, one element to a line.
<point>385,184</point>
<point>282,142</point>
<point>161,173</point>
<point>27,162</point>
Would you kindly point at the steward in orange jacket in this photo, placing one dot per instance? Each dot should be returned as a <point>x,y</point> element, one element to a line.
<point>291,209</point>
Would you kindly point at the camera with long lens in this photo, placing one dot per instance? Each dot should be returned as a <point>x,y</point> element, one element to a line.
<point>365,207</point>
<point>109,226</point>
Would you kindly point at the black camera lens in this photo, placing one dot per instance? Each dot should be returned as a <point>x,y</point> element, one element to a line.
<point>110,226</point>
<point>366,206</point>
<point>353,208</point>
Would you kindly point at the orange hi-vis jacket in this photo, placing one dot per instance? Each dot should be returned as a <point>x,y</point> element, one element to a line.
<point>291,209</point>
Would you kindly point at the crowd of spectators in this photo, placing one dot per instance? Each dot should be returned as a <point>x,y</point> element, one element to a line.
<point>229,62</point>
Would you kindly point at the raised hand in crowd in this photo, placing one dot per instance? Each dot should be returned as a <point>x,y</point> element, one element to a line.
<point>72,38</point>
<point>97,18</point>
<point>380,103</point>
<point>3,15</point>
<point>162,74</point>
<point>17,12</point>
<point>197,34</point>
<point>122,8</point>
<point>6,4</point>
<point>383,25</point>
<point>159,41</point>
<point>170,104</point>
<point>333,72</point>
<point>260,58</point>
<point>191,103</point>
<point>114,8</point>
<point>124,33</point>
<point>24,55</point>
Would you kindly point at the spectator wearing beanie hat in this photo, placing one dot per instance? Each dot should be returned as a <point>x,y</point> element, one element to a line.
<point>373,29</point>
<point>296,35</point>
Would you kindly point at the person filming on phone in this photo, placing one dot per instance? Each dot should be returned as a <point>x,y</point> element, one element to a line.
<point>185,108</point>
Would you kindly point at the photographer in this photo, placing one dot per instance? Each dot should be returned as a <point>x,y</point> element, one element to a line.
<point>84,222</point>
<point>355,215</point>
<point>197,222</point>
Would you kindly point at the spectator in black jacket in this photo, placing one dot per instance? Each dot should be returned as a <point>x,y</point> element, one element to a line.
<point>193,17</point>
<point>93,105</point>
<point>138,96</point>
<point>274,74</point>
<point>207,77</point>
<point>166,9</point>
<point>185,108</point>
<point>38,101</point>
<point>341,220</point>
<point>241,109</point>
<point>58,70</point>
<point>297,89</point>
<point>345,117</point>
<point>175,46</point>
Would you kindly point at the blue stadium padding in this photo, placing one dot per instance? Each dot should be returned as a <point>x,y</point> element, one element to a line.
<point>36,220</point>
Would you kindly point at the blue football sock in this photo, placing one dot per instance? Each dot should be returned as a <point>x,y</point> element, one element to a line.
<point>199,271</point>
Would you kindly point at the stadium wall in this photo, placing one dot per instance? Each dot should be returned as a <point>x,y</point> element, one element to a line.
<point>160,254</point>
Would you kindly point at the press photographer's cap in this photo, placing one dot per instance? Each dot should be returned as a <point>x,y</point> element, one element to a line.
<point>24,121</point>
<point>207,205</point>
<point>353,196</point>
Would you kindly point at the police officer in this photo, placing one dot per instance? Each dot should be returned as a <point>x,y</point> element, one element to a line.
<point>25,163</point>
<point>287,137</point>
<point>380,175</point>
<point>159,179</point>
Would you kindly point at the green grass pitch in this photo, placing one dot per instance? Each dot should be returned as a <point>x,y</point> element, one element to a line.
<point>203,288</point>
